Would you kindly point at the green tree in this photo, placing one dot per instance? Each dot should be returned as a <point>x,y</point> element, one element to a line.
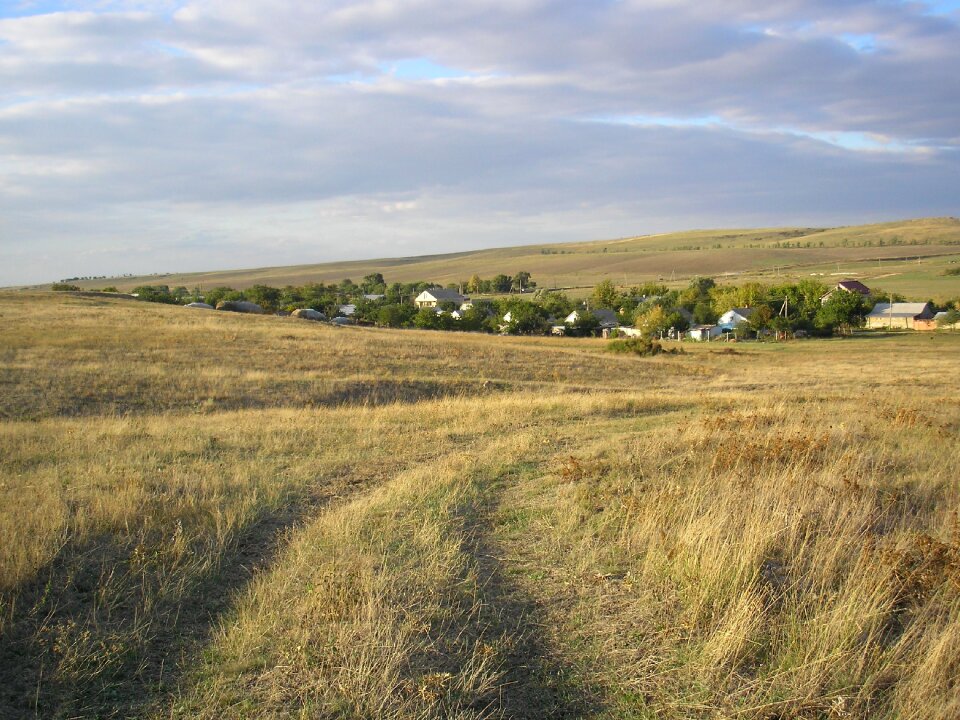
<point>950,319</point>
<point>374,283</point>
<point>586,323</point>
<point>474,283</point>
<point>155,293</point>
<point>760,319</point>
<point>427,319</point>
<point>676,321</point>
<point>649,289</point>
<point>395,315</point>
<point>219,294</point>
<point>265,296</point>
<point>522,282</point>
<point>605,295</point>
<point>473,319</point>
<point>653,322</point>
<point>556,304</point>
<point>697,292</point>
<point>842,311</point>
<point>723,298</point>
<point>526,319</point>
<point>501,283</point>
<point>751,294</point>
<point>703,313</point>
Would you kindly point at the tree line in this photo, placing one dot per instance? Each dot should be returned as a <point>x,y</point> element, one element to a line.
<point>651,307</point>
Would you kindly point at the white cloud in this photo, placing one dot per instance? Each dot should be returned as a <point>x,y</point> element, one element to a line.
<point>445,124</point>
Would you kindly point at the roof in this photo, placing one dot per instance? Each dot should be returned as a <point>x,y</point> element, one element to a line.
<point>899,310</point>
<point>441,294</point>
<point>743,312</point>
<point>853,286</point>
<point>603,315</point>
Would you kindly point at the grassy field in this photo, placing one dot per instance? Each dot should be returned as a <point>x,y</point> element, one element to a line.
<point>222,516</point>
<point>737,254</point>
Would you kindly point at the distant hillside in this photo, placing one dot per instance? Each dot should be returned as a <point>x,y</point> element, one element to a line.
<point>676,256</point>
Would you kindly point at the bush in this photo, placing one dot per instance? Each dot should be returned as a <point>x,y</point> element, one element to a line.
<point>640,346</point>
<point>155,293</point>
<point>64,287</point>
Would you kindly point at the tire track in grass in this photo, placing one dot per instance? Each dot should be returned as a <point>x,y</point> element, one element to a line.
<point>536,681</point>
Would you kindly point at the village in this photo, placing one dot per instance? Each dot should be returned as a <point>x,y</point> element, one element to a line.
<point>704,311</point>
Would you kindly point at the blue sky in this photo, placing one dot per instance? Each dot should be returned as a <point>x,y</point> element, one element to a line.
<point>160,135</point>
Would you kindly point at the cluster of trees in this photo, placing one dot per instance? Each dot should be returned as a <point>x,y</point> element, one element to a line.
<point>521,282</point>
<point>653,308</point>
<point>786,307</point>
<point>371,296</point>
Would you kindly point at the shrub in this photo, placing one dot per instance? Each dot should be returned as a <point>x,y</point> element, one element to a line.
<point>64,287</point>
<point>640,346</point>
<point>155,293</point>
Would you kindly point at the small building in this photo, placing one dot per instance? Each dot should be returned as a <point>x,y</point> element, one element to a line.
<point>347,310</point>
<point>934,323</point>
<point>854,286</point>
<point>899,315</point>
<point>435,296</point>
<point>733,317</point>
<point>373,297</point>
<point>704,332</point>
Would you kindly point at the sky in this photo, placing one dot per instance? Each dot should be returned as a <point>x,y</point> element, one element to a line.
<point>141,136</point>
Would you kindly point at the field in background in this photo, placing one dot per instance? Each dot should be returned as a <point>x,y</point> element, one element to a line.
<point>214,515</point>
<point>737,254</point>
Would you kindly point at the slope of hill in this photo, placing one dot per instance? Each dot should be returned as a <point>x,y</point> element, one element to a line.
<point>676,256</point>
<point>209,515</point>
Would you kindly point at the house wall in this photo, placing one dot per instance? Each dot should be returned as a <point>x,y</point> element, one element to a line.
<point>881,322</point>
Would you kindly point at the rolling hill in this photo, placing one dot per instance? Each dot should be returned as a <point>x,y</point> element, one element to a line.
<point>888,249</point>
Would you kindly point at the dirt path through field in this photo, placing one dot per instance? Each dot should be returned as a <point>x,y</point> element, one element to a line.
<point>537,681</point>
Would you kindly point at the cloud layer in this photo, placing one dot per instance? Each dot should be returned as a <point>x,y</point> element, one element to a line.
<point>161,135</point>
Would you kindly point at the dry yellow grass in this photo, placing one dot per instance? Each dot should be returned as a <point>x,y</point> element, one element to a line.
<point>208,515</point>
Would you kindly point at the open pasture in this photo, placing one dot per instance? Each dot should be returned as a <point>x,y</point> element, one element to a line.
<point>213,515</point>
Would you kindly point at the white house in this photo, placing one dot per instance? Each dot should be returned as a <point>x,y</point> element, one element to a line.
<point>733,317</point>
<point>435,296</point>
<point>347,310</point>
